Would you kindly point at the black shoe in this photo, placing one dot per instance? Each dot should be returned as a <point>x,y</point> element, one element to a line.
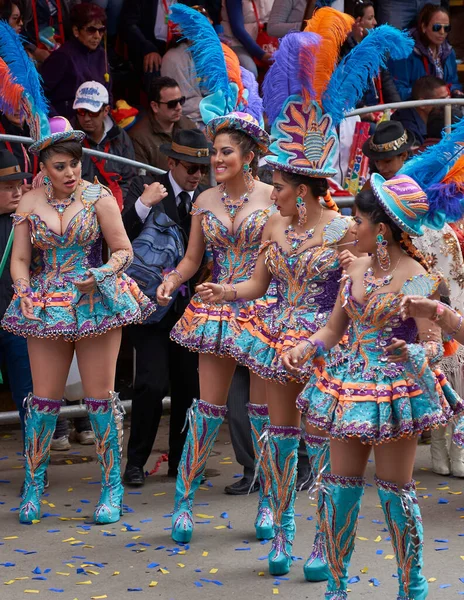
<point>304,479</point>
<point>242,487</point>
<point>134,476</point>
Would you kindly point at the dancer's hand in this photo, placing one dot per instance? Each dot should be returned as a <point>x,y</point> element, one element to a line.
<point>294,359</point>
<point>87,285</point>
<point>397,351</point>
<point>153,194</point>
<point>210,292</point>
<point>345,258</point>
<point>27,309</point>
<point>164,291</point>
<point>417,306</point>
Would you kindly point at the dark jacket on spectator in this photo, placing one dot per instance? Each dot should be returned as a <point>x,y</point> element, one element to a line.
<point>138,18</point>
<point>66,69</point>
<point>382,89</point>
<point>116,141</point>
<point>6,291</point>
<point>28,163</point>
<point>147,137</point>
<point>412,121</point>
<point>420,63</point>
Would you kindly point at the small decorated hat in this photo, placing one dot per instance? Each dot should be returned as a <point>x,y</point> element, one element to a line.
<point>61,131</point>
<point>241,122</point>
<point>403,200</point>
<point>304,141</point>
<point>390,139</point>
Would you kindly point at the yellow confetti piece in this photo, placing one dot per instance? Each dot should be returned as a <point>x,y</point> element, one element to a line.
<point>70,490</point>
<point>8,582</point>
<point>136,537</point>
<point>431,579</point>
<point>363,539</point>
<point>424,469</point>
<point>213,571</point>
<point>203,488</point>
<point>364,570</point>
<point>51,505</point>
<point>182,552</point>
<point>181,565</point>
<point>164,571</point>
<point>99,597</point>
<point>11,537</point>
<point>378,539</point>
<point>69,540</point>
<point>31,591</point>
<point>261,574</point>
<point>443,489</point>
<point>21,578</point>
<point>224,462</point>
<point>115,573</point>
<point>203,516</point>
<point>227,458</point>
<point>35,521</point>
<point>275,591</point>
<point>70,565</point>
<point>204,553</point>
<point>64,518</point>
<point>86,478</point>
<point>65,574</point>
<point>220,527</point>
<point>389,557</point>
<point>78,518</point>
<point>75,542</point>
<point>153,584</point>
<point>462,557</point>
<point>92,572</point>
<point>84,582</point>
<point>160,494</point>
<point>455,493</point>
<point>104,531</point>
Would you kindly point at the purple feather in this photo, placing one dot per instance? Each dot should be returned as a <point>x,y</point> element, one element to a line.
<point>254,106</point>
<point>284,78</point>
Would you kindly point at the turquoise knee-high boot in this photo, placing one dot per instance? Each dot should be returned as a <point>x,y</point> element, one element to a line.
<point>259,420</point>
<point>341,501</point>
<point>204,422</point>
<point>283,445</point>
<point>404,523</point>
<point>318,449</point>
<point>41,417</point>
<point>106,417</point>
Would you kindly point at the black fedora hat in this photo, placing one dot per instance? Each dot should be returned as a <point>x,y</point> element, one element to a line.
<point>9,167</point>
<point>390,139</point>
<point>189,145</point>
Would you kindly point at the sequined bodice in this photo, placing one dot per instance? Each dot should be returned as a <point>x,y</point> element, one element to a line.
<point>375,323</point>
<point>234,255</point>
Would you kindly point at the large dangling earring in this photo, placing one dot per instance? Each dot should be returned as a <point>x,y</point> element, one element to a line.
<point>301,208</point>
<point>48,186</point>
<point>382,253</point>
<point>248,178</point>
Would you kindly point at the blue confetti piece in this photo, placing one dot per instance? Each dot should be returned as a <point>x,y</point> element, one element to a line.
<point>198,584</point>
<point>146,544</point>
<point>375,582</point>
<point>134,493</point>
<point>438,549</point>
<point>79,558</point>
<point>262,557</point>
<point>160,547</point>
<point>443,501</point>
<point>153,565</point>
<point>39,578</point>
<point>37,571</point>
<point>277,582</point>
<point>106,534</point>
<point>229,525</point>
<point>47,570</point>
<point>85,501</point>
<point>443,586</point>
<point>146,520</point>
<point>202,522</point>
<point>201,504</point>
<point>134,589</point>
<point>53,531</point>
<point>56,590</point>
<point>216,582</point>
<point>131,545</point>
<point>80,571</point>
<point>379,552</point>
<point>441,541</point>
<point>280,578</point>
<point>242,549</point>
<point>197,570</point>
<point>354,579</point>
<point>4,481</point>
<point>309,518</point>
<point>224,515</point>
<point>461,579</point>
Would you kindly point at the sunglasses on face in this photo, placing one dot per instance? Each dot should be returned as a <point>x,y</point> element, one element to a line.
<point>93,30</point>
<point>84,111</point>
<point>436,27</point>
<point>192,169</point>
<point>173,103</point>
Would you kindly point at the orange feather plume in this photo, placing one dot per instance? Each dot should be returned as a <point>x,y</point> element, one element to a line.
<point>233,69</point>
<point>10,100</point>
<point>333,26</point>
<point>456,173</point>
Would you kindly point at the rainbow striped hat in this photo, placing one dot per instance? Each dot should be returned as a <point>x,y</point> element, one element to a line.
<point>403,200</point>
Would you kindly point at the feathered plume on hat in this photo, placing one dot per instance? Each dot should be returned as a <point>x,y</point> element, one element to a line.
<point>21,90</point>
<point>304,107</point>
<point>233,100</point>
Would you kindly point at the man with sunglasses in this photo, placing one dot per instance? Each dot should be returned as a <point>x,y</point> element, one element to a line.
<point>93,117</point>
<point>162,366</point>
<point>163,119</point>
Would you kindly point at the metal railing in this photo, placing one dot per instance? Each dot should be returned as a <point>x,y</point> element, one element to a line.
<point>342,202</point>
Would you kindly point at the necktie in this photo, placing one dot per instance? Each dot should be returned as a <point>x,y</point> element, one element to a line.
<point>184,206</point>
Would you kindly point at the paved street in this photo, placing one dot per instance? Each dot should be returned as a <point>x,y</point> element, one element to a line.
<point>67,557</point>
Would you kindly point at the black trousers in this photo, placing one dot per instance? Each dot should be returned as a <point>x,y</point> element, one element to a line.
<point>162,366</point>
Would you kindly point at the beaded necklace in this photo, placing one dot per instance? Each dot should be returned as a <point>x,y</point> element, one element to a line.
<point>295,240</point>
<point>371,284</point>
<point>232,207</point>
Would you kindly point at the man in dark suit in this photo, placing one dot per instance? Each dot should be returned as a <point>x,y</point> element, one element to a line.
<point>163,365</point>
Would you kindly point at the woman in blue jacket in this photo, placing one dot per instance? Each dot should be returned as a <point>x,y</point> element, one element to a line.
<point>432,54</point>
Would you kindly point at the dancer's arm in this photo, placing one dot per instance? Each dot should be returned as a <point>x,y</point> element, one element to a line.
<point>188,266</point>
<point>443,315</point>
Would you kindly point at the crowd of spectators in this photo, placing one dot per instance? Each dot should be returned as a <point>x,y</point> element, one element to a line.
<point>118,70</point>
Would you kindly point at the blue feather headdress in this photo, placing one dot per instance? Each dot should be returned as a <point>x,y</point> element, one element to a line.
<point>33,106</point>
<point>439,171</point>
<point>354,74</point>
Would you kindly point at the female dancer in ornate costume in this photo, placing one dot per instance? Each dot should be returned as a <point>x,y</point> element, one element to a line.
<point>229,220</point>
<point>65,298</point>
<point>364,397</point>
<point>300,252</point>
